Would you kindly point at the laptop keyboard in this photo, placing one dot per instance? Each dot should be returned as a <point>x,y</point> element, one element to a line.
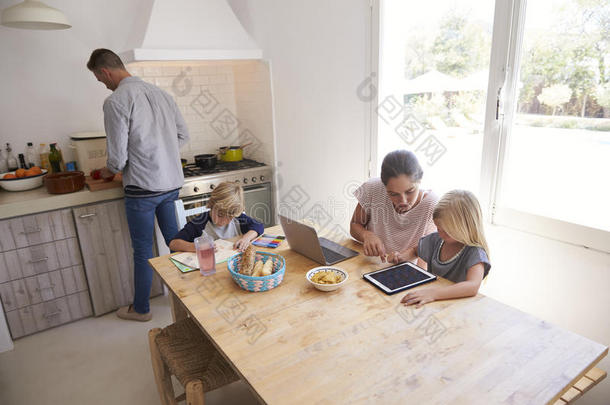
<point>331,256</point>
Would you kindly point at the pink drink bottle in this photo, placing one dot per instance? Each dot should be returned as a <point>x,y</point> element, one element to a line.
<point>204,245</point>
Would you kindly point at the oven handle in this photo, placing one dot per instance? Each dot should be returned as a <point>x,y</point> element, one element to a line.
<point>253,189</point>
<point>203,198</point>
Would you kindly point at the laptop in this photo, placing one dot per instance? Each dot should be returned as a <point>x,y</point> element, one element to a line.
<point>304,240</point>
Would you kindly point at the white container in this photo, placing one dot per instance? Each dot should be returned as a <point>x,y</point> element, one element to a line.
<point>327,287</point>
<point>22,183</point>
<point>89,149</point>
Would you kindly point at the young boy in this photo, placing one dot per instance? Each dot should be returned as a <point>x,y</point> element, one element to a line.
<point>225,219</point>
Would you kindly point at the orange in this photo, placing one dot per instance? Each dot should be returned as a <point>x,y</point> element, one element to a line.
<point>31,172</point>
<point>36,169</point>
<point>9,176</point>
<point>20,173</point>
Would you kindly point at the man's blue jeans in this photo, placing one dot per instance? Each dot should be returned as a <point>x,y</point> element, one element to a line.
<point>141,219</point>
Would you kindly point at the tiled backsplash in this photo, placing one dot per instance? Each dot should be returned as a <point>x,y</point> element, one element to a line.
<point>223,103</point>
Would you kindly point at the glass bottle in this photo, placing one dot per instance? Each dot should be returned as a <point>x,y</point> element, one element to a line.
<point>10,159</point>
<point>3,162</point>
<point>55,159</point>
<point>31,157</point>
<point>22,164</point>
<point>44,157</point>
<point>204,246</point>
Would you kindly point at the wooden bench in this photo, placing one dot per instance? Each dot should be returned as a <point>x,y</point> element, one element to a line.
<point>588,381</point>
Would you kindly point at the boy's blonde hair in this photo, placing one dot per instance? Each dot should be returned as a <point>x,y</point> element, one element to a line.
<point>459,214</point>
<point>228,198</point>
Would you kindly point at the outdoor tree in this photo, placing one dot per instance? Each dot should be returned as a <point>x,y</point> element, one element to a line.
<point>554,96</point>
<point>418,54</point>
<point>602,96</point>
<point>574,51</point>
<point>461,46</point>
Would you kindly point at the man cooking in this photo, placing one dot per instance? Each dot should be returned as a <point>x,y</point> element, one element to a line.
<point>144,132</point>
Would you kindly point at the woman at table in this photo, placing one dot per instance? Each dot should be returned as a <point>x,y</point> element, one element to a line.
<point>393,212</point>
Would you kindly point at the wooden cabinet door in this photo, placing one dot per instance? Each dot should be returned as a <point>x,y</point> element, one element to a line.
<point>105,244</point>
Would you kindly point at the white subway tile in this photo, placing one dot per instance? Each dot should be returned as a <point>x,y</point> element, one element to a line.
<point>152,71</point>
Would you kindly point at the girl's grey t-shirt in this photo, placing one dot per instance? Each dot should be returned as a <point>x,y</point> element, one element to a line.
<point>455,270</point>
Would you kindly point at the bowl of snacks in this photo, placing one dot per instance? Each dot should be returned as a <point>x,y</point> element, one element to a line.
<point>327,278</point>
<point>22,179</point>
<point>257,271</point>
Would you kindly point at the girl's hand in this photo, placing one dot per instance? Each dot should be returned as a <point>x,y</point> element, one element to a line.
<point>396,257</point>
<point>420,297</point>
<point>373,246</point>
<point>242,244</point>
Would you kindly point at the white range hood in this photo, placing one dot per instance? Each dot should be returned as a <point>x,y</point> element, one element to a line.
<point>189,30</point>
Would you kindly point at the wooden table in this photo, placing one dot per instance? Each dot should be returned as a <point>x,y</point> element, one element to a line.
<point>295,344</point>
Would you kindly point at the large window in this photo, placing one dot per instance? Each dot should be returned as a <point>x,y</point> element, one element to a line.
<point>510,100</point>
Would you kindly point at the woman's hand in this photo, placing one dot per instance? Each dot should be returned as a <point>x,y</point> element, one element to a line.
<point>242,244</point>
<point>396,257</point>
<point>373,246</point>
<point>419,297</point>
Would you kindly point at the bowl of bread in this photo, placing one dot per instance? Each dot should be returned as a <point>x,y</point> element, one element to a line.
<point>327,278</point>
<point>255,270</point>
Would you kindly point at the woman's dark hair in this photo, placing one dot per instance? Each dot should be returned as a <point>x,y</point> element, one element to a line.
<point>401,162</point>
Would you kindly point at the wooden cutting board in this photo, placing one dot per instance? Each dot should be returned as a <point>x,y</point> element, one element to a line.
<point>97,185</point>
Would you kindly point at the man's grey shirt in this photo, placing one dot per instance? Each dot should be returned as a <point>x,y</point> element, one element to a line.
<point>145,131</point>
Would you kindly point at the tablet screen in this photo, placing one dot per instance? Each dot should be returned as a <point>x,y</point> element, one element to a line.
<point>399,276</point>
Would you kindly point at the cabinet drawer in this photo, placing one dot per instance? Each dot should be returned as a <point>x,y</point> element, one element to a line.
<point>74,279</point>
<point>31,230</point>
<point>14,295</point>
<point>21,322</point>
<point>6,237</point>
<point>36,229</point>
<point>49,256</point>
<point>34,318</point>
<point>43,287</point>
<point>10,266</point>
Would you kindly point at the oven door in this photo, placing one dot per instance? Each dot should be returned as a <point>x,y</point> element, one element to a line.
<point>259,203</point>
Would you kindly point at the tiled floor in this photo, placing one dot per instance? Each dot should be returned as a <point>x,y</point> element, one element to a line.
<point>93,361</point>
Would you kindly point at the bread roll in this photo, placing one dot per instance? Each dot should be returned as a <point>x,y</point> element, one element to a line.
<point>258,269</point>
<point>247,261</point>
<point>268,267</point>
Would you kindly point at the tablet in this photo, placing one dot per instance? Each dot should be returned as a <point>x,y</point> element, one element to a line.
<point>399,277</point>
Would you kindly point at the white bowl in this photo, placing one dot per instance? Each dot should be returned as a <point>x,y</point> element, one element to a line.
<point>22,183</point>
<point>327,287</point>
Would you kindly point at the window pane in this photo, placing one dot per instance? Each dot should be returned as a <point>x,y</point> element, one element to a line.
<point>559,144</point>
<point>434,64</point>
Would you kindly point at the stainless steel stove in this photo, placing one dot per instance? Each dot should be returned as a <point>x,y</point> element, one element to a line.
<point>247,172</point>
<point>254,177</point>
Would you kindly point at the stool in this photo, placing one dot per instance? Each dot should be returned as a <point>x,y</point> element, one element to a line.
<point>182,350</point>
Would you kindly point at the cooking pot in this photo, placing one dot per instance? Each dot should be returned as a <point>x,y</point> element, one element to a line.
<point>232,153</point>
<point>206,161</point>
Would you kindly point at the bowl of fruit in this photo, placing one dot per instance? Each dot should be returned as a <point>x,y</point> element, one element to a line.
<point>22,179</point>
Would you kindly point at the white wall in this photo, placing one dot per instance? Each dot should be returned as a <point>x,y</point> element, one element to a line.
<point>318,56</point>
<point>47,91</point>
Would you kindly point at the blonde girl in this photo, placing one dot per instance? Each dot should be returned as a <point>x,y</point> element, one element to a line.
<point>225,219</point>
<point>457,252</point>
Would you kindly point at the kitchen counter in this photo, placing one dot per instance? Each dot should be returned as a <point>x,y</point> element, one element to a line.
<point>17,203</point>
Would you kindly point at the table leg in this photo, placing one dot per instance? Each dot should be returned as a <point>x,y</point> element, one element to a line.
<point>178,310</point>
